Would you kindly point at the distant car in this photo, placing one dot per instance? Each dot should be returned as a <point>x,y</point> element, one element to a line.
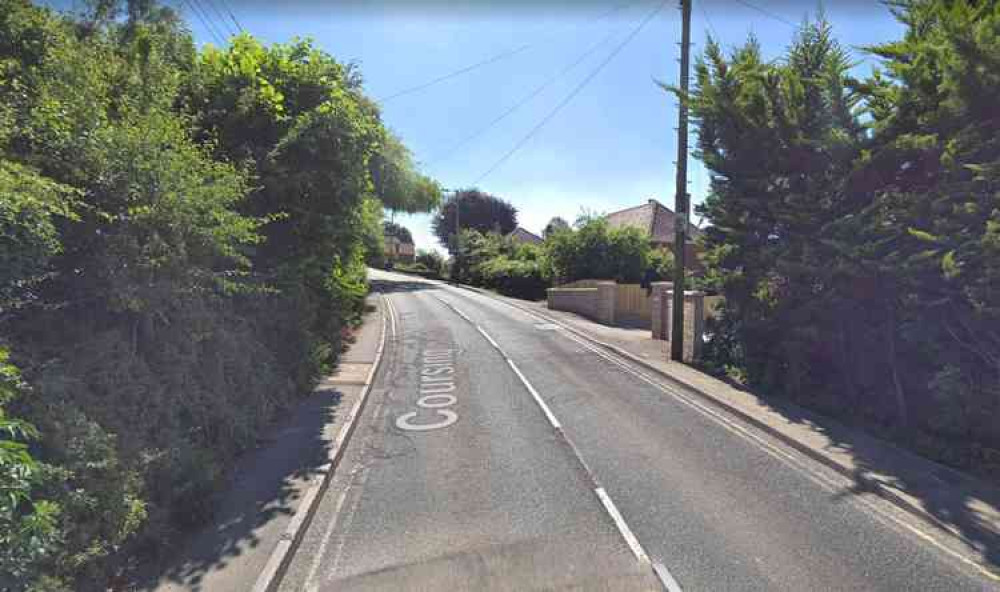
<point>388,265</point>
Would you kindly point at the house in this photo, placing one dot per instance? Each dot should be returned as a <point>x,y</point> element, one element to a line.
<point>397,250</point>
<point>522,236</point>
<point>658,220</point>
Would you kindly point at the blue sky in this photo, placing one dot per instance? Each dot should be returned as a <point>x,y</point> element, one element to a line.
<point>612,146</point>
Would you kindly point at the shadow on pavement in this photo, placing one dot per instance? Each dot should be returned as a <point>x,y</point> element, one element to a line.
<point>389,286</point>
<point>960,503</point>
<point>267,483</point>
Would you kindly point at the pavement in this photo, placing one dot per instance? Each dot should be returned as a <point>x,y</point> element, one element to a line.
<point>270,483</point>
<point>501,450</point>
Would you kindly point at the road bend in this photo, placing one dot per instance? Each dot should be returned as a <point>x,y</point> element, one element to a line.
<point>501,452</point>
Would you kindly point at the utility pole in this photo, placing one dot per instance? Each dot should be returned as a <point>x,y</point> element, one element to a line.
<point>681,201</point>
<point>457,258</point>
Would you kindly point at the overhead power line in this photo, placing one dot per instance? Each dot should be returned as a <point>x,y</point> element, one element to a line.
<point>494,58</point>
<point>572,94</point>
<point>196,10</point>
<point>229,11</point>
<point>459,72</point>
<point>524,100</point>
<point>225,26</point>
<point>708,21</point>
<point>768,13</point>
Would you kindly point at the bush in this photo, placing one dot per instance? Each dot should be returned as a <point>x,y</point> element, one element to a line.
<point>524,279</point>
<point>596,251</point>
<point>431,260</point>
<point>183,237</point>
<point>28,528</point>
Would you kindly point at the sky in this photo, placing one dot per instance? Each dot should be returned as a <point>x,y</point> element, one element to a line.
<point>583,137</point>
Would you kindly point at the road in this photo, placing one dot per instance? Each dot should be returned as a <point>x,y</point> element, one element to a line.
<point>499,452</point>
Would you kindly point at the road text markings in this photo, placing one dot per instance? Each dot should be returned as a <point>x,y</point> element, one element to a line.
<point>437,382</point>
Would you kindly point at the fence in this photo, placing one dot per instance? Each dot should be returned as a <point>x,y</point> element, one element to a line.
<point>633,306</point>
<point>628,304</point>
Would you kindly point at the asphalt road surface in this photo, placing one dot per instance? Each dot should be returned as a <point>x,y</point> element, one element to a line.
<point>499,452</point>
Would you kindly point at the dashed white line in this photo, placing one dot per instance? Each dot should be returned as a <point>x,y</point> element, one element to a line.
<point>661,572</point>
<point>538,399</point>
<point>488,338</point>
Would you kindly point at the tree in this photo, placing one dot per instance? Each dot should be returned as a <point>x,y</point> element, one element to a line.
<point>556,224</point>
<point>182,242</point>
<point>477,211</point>
<point>778,138</point>
<point>398,231</point>
<point>432,260</point>
<point>854,226</point>
<point>933,227</point>
<point>397,183</point>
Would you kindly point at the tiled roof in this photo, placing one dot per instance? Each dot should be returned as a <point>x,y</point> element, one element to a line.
<point>653,217</point>
<point>524,236</point>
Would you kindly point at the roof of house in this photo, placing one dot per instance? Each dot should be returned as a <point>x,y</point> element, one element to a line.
<point>524,236</point>
<point>653,217</point>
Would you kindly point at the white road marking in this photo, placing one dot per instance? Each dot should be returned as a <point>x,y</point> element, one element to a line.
<point>488,338</point>
<point>437,378</point>
<point>403,421</point>
<point>392,315</point>
<point>633,543</point>
<point>802,466</point>
<point>538,398</point>
<point>599,491</point>
<point>355,481</point>
<point>806,467</point>
<point>666,579</point>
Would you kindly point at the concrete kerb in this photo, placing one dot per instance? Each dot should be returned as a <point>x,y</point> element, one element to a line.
<point>875,487</point>
<point>277,563</point>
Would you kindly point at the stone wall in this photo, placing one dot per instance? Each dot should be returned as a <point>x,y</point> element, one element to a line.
<point>596,303</point>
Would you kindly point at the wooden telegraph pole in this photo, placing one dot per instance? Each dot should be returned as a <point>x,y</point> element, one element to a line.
<point>681,200</point>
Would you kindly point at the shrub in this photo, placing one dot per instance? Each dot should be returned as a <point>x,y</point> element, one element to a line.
<point>518,278</point>
<point>431,260</point>
<point>596,251</point>
<point>183,237</point>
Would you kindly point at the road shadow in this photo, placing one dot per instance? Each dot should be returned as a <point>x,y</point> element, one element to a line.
<point>267,483</point>
<point>389,286</point>
<point>956,502</point>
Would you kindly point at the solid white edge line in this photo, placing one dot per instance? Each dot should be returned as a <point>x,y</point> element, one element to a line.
<point>392,315</point>
<point>626,532</point>
<point>666,578</point>
<point>277,563</point>
<point>538,398</point>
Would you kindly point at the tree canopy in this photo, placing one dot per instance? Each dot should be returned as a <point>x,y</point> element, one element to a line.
<point>556,224</point>
<point>477,211</point>
<point>182,244</point>
<point>397,230</point>
<point>854,224</point>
